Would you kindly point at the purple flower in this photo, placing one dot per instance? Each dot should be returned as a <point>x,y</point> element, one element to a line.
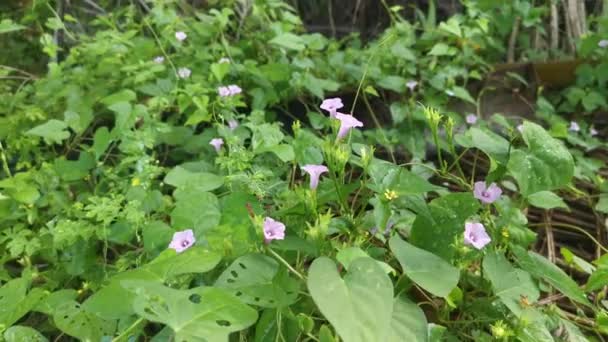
<point>273,230</point>
<point>234,89</point>
<point>314,171</point>
<point>603,43</point>
<point>475,235</point>
<point>159,60</point>
<point>184,72</point>
<point>592,131</point>
<point>520,128</point>
<point>486,194</point>
<point>181,36</point>
<point>332,105</point>
<point>223,60</point>
<point>217,144</point>
<point>223,91</point>
<point>411,84</point>
<point>471,119</point>
<point>574,127</point>
<point>233,124</point>
<point>347,122</point>
<point>182,240</point>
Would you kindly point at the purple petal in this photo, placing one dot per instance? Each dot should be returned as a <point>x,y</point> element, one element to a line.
<point>347,122</point>
<point>273,230</point>
<point>314,171</point>
<point>475,235</point>
<point>182,240</point>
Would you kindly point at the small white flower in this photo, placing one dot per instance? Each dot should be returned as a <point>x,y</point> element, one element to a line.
<point>603,43</point>
<point>184,72</point>
<point>223,60</point>
<point>181,36</point>
<point>159,60</point>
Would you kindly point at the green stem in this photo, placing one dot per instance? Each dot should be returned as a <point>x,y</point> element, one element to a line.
<point>7,170</point>
<point>125,334</point>
<point>284,262</point>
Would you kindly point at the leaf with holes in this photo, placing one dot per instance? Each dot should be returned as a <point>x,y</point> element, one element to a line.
<point>74,321</point>
<point>360,305</point>
<point>199,314</point>
<point>252,279</point>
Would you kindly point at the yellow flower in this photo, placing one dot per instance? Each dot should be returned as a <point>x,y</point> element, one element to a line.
<point>505,233</point>
<point>135,182</point>
<point>390,195</point>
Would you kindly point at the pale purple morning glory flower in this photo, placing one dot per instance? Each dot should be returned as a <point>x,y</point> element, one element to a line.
<point>159,60</point>
<point>411,84</point>
<point>273,230</point>
<point>485,194</point>
<point>471,119</point>
<point>223,60</point>
<point>223,91</point>
<point>217,144</point>
<point>314,171</point>
<point>574,127</point>
<point>592,131</point>
<point>182,240</point>
<point>234,89</point>
<point>181,36</point>
<point>233,124</point>
<point>475,235</point>
<point>520,128</point>
<point>347,122</point>
<point>332,105</point>
<point>184,72</point>
<point>603,43</point>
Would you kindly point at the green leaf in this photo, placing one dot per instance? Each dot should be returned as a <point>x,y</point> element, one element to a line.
<point>251,278</point>
<point>347,255</point>
<point>408,322</point>
<point>220,70</point>
<point>429,271</point>
<point>7,25</point>
<point>18,333</point>
<point>394,83</point>
<point>283,151</point>
<point>289,41</point>
<point>195,209</point>
<point>602,204</point>
<point>546,200</point>
<point>73,170</point>
<point>442,49</point>
<point>598,279</point>
<point>198,314</point>
<point>510,284</point>
<point>74,321</point>
<point>388,176</point>
<point>15,302</point>
<point>438,231</point>
<point>541,268</point>
<point>545,165</point>
<point>464,95</point>
<point>181,177</point>
<point>52,131</point>
<point>101,141</point>
<point>360,306</point>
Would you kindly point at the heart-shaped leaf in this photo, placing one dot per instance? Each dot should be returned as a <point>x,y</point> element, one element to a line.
<point>199,314</point>
<point>359,306</point>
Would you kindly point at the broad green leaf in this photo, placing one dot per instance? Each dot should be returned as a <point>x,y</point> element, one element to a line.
<point>510,284</point>
<point>542,268</point>
<point>15,301</point>
<point>602,204</point>
<point>18,333</point>
<point>52,131</point>
<point>408,322</point>
<point>74,321</point>
<point>181,177</point>
<point>347,255</point>
<point>7,25</point>
<point>429,271</point>
<point>545,165</point>
<point>546,200</point>
<point>360,306</point>
<point>125,95</point>
<point>394,83</point>
<point>598,279</point>
<point>251,278</point>
<point>198,314</point>
<point>437,231</point>
<point>463,94</point>
<point>289,41</point>
<point>101,141</point>
<point>283,151</point>
<point>73,170</point>
<point>195,209</point>
<point>54,300</point>
<point>387,176</point>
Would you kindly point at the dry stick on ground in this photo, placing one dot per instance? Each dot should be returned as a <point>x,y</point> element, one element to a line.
<point>549,237</point>
<point>554,45</point>
<point>513,40</point>
<point>569,42</point>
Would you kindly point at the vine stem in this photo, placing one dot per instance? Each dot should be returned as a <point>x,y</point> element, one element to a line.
<point>573,227</point>
<point>7,170</point>
<point>128,331</point>
<point>284,262</point>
